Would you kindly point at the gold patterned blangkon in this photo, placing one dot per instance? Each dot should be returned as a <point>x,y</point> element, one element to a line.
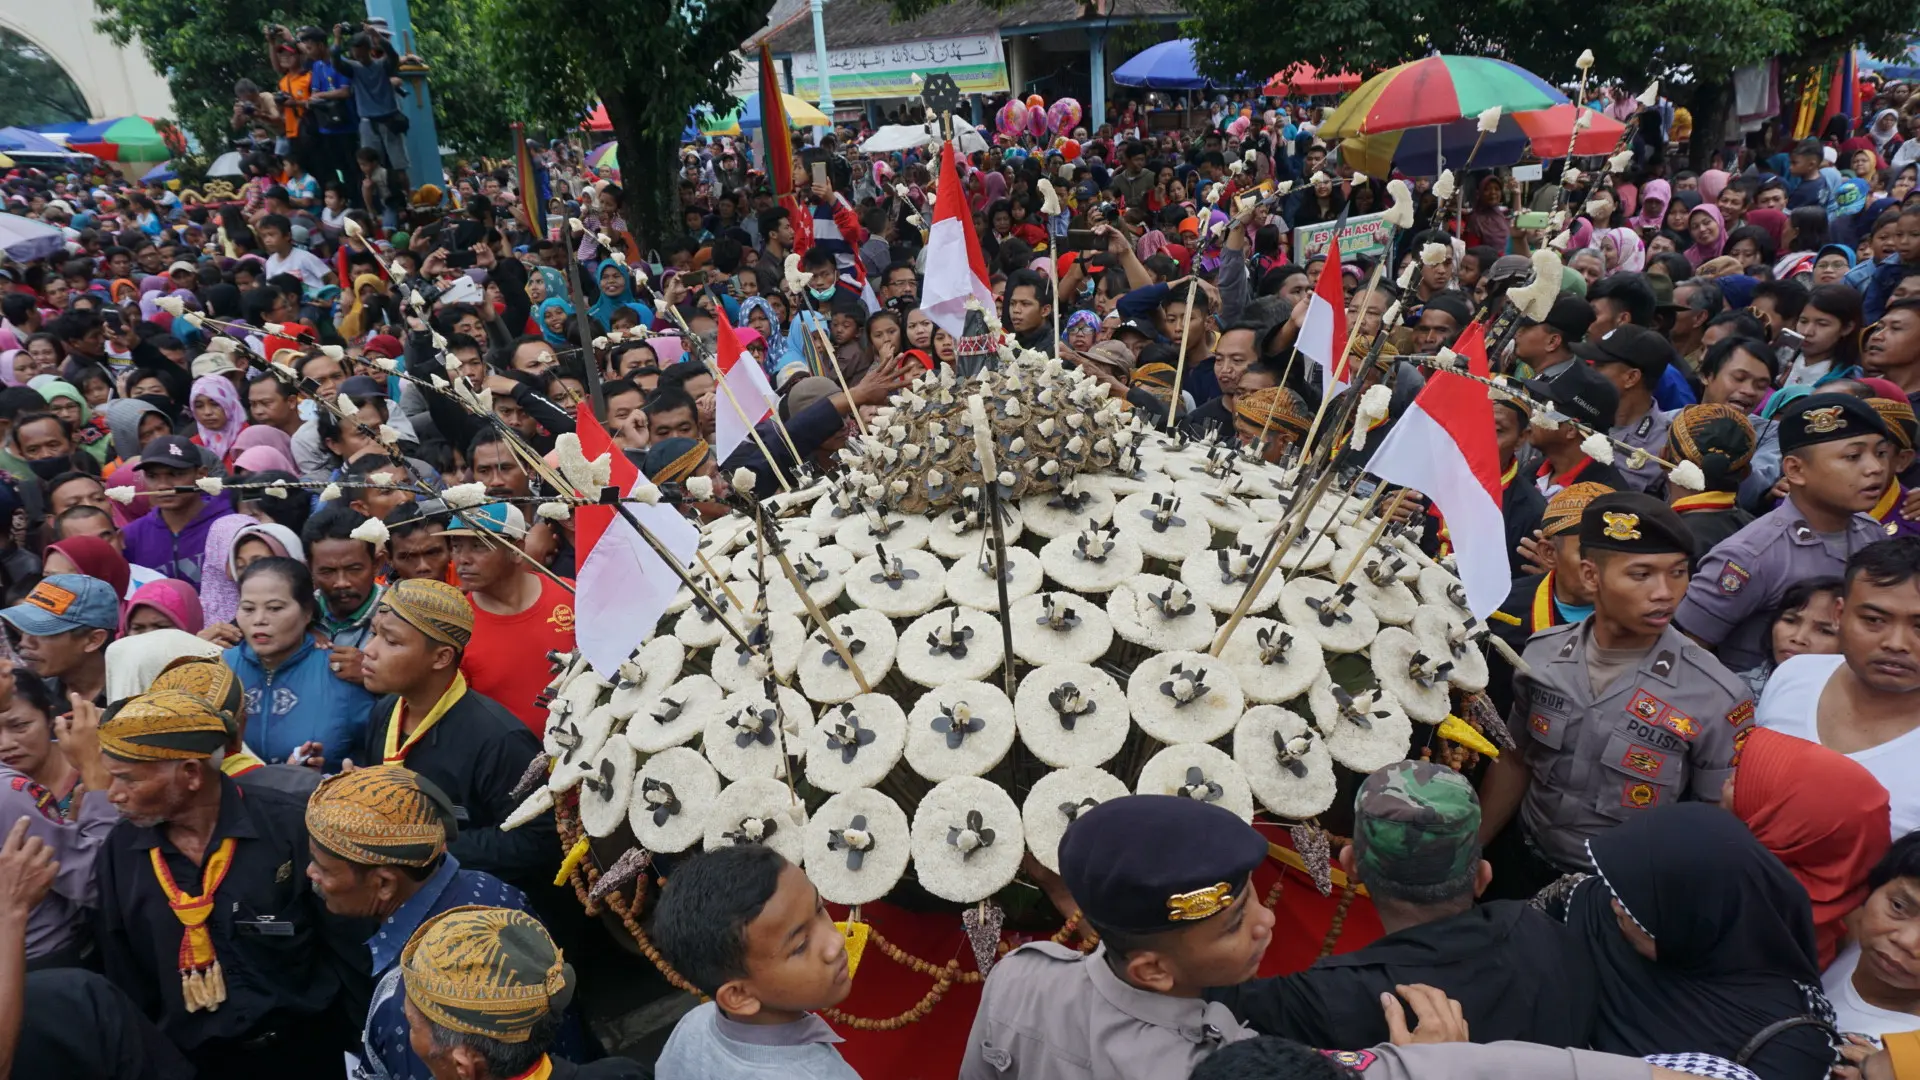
<point>1200,903</point>
<point>1621,526</point>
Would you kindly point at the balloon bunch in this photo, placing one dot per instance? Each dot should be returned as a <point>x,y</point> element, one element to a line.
<point>1036,118</point>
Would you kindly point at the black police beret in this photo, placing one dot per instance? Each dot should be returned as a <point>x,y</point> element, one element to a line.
<point>1633,522</point>
<point>1819,418</point>
<point>1145,863</point>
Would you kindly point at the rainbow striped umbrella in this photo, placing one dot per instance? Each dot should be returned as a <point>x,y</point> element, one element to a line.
<point>126,138</point>
<point>1437,90</point>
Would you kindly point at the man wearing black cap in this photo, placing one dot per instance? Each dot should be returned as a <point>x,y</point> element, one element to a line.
<point>1166,881</point>
<point>1441,320</point>
<point>1582,395</point>
<point>1835,457</point>
<point>172,537</point>
<point>1617,714</point>
<point>1633,359</point>
<point>1546,346</point>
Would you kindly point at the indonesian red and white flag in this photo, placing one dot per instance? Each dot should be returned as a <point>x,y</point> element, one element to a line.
<point>1443,447</point>
<point>747,397</point>
<point>956,271</point>
<point>623,586</point>
<point>1323,335</point>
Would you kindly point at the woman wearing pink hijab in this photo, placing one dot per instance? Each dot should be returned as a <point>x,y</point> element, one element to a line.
<point>1653,206</point>
<point>1623,250</point>
<point>1709,231</point>
<point>1712,183</point>
<point>219,415</point>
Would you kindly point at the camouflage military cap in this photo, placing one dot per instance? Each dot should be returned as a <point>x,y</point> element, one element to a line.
<point>1415,823</point>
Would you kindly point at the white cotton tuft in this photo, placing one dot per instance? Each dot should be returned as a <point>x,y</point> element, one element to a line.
<point>744,480</point>
<point>124,495</point>
<point>1688,475</point>
<point>1435,254</point>
<point>1250,156</point>
<point>1049,198</point>
<point>1399,213</point>
<point>618,256</point>
<point>1236,167</point>
<point>352,228</point>
<point>212,485</point>
<point>700,487</point>
<point>576,224</point>
<point>796,278</point>
<point>274,328</point>
<point>1283,187</point>
<point>1586,60</point>
<point>1490,119</point>
<point>1598,447</point>
<point>1583,121</point>
<point>172,305</point>
<point>462,496</point>
<point>1651,95</point>
<point>1535,300</point>
<point>554,511</point>
<point>384,363</point>
<point>900,191</point>
<point>334,352</point>
<point>195,319</point>
<point>439,341</point>
<point>1563,241</point>
<point>1446,358</point>
<point>645,493</point>
<point>1406,276</point>
<point>1619,162</point>
<point>1375,403</point>
<point>388,435</point>
<point>1443,187</point>
<point>330,493</point>
<point>1570,177</point>
<point>599,343</point>
<point>381,478</point>
<point>371,531</point>
<point>278,491</point>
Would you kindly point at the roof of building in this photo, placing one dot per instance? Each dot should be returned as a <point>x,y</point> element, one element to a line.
<point>854,24</point>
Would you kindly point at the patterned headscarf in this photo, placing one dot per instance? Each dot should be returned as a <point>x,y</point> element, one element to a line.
<point>491,972</point>
<point>1718,438</point>
<point>211,681</point>
<point>1899,417</point>
<point>166,725</point>
<point>1275,408</point>
<point>672,461</point>
<point>1567,505</point>
<point>382,815</point>
<point>434,608</point>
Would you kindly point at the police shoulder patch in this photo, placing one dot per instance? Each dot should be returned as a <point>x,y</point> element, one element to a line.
<point>1357,1060</point>
<point>1733,578</point>
<point>1741,714</point>
<point>1639,796</point>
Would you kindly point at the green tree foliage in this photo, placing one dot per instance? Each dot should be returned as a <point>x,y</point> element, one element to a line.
<point>648,61</point>
<point>204,48</point>
<point>1694,45</point>
<point>34,88</point>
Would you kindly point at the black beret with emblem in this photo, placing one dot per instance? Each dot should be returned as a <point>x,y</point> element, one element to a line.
<point>1633,522</point>
<point>1145,863</point>
<point>1819,418</point>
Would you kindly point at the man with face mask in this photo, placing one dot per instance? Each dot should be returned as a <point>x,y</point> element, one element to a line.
<point>45,443</point>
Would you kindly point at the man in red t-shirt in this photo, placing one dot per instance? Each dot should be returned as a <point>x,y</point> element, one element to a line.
<point>518,615</point>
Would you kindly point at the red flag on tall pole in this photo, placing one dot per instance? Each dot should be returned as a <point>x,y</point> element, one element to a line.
<point>779,150</point>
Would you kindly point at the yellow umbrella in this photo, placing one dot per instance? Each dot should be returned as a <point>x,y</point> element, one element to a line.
<point>801,114</point>
<point>5,162</point>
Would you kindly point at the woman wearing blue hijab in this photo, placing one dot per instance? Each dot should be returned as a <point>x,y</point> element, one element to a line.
<point>616,291</point>
<point>552,315</point>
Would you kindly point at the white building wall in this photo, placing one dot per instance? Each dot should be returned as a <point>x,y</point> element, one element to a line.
<point>115,81</point>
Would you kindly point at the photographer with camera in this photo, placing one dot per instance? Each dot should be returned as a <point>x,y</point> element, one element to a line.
<point>253,106</point>
<point>295,87</point>
<point>334,123</point>
<point>373,68</point>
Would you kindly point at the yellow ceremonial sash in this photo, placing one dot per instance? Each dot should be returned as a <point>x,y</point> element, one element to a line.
<point>395,753</point>
<point>539,1072</point>
<point>201,983</point>
<point>1544,613</point>
<point>1884,508</point>
<point>240,763</point>
<point>1706,500</point>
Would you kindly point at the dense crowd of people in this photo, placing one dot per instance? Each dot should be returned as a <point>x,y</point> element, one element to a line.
<point>269,694</point>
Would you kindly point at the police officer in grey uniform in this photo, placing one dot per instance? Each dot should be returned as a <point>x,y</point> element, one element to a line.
<point>1836,458</point>
<point>1167,883</point>
<point>1616,714</point>
<point>1416,1058</point>
<point>1634,359</point>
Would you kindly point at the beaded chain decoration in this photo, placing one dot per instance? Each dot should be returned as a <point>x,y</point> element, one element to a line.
<point>944,976</point>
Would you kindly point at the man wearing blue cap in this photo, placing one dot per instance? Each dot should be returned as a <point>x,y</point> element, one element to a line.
<point>65,625</point>
<point>1167,883</point>
<point>517,613</point>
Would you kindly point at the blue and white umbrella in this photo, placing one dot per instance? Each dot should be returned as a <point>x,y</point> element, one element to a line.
<point>24,239</point>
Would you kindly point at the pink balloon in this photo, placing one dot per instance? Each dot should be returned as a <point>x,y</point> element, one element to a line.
<point>1012,117</point>
<point>1064,115</point>
<point>1036,122</point>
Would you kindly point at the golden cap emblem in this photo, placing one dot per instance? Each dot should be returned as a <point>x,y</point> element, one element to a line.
<point>1621,526</point>
<point>1200,903</point>
<point>1825,421</point>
